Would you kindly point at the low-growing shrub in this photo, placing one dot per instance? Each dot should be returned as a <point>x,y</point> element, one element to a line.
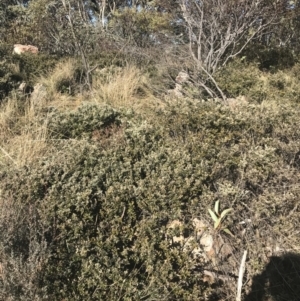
<point>98,215</point>
<point>105,212</point>
<point>81,122</point>
<point>241,78</point>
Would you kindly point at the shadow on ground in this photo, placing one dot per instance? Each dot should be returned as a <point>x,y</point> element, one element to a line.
<point>280,280</point>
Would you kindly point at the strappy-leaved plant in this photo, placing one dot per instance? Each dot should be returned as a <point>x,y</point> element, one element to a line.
<point>218,218</point>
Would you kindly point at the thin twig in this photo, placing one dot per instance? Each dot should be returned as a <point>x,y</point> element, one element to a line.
<point>241,275</point>
<point>123,213</point>
<point>8,155</point>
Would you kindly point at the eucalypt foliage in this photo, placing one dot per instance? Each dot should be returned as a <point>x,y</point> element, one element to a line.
<point>218,218</point>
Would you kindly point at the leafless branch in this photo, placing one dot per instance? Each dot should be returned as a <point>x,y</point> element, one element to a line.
<point>219,30</point>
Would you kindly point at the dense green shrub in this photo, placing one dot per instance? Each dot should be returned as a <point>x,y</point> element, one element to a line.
<point>270,58</point>
<point>241,78</point>
<point>107,211</point>
<point>5,50</point>
<point>9,78</point>
<point>275,59</point>
<point>16,69</point>
<point>102,211</point>
<point>105,59</point>
<point>82,122</point>
<point>33,66</point>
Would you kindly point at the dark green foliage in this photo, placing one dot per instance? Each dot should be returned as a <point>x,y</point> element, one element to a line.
<point>5,87</point>
<point>28,67</point>
<point>5,50</point>
<point>82,122</point>
<point>108,59</point>
<point>7,81</point>
<point>276,59</point>
<point>240,78</point>
<point>103,209</point>
<point>32,66</point>
<point>107,212</point>
<point>270,58</point>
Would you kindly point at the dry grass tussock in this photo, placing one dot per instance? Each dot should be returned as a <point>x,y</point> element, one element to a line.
<point>64,102</point>
<point>22,138</point>
<point>123,87</point>
<point>8,113</point>
<point>63,73</point>
<point>30,145</point>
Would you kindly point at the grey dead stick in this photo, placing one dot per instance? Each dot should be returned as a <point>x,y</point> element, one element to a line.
<point>241,275</point>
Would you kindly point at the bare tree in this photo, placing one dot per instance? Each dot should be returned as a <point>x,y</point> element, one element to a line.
<point>217,31</point>
<point>82,33</point>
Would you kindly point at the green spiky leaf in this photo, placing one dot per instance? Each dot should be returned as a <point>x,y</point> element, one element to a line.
<point>217,223</point>
<point>225,212</point>
<point>228,232</point>
<point>217,206</point>
<point>213,215</point>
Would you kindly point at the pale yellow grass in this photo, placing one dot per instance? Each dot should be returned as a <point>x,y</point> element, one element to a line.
<point>8,114</point>
<point>122,87</point>
<point>63,72</point>
<point>27,147</point>
<point>23,139</point>
<point>64,102</point>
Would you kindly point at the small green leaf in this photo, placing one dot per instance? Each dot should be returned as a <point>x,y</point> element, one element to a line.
<point>217,223</point>
<point>217,206</point>
<point>228,232</point>
<point>213,216</point>
<point>226,211</point>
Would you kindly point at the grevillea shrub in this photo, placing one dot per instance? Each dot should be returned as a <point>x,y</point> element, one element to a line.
<point>104,213</point>
<point>89,220</point>
<point>82,122</point>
